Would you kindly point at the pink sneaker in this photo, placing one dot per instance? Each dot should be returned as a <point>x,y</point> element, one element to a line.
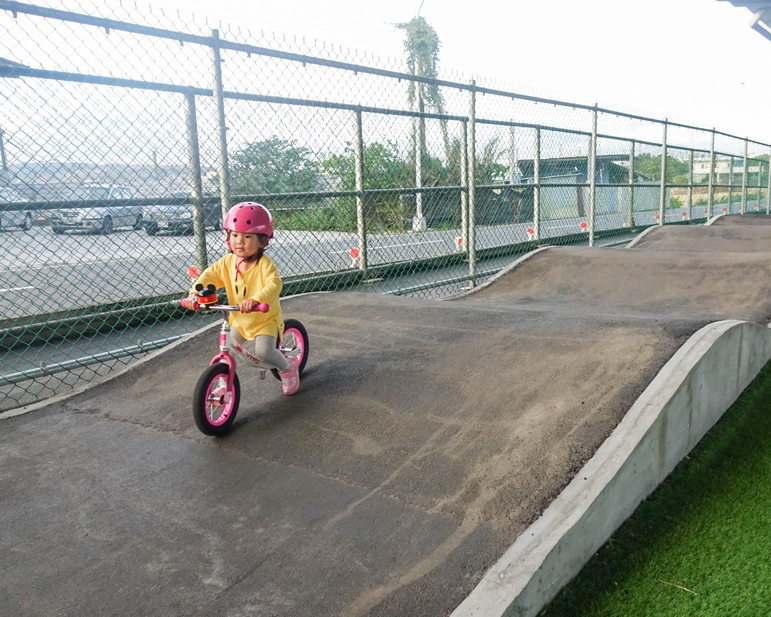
<point>290,378</point>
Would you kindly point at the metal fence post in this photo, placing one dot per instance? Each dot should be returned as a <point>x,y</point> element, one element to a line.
<point>196,189</point>
<point>361,219</point>
<point>222,136</point>
<point>592,175</point>
<point>5,177</point>
<point>760,183</point>
<point>419,222</point>
<point>630,220</point>
<point>537,184</point>
<point>663,189</point>
<point>768,189</point>
<point>472,164</point>
<point>514,176</point>
<point>743,208</point>
<point>464,186</point>
<point>512,155</point>
<point>689,199</point>
<point>730,182</point>
<point>711,189</point>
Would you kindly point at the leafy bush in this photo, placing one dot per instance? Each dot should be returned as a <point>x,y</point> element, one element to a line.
<point>339,215</point>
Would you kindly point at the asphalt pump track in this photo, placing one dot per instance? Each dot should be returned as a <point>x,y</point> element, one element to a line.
<point>428,439</point>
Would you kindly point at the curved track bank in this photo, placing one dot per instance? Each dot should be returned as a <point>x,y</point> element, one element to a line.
<point>692,391</point>
<point>429,441</point>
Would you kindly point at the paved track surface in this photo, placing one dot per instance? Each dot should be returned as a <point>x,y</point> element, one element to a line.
<point>721,236</point>
<point>751,220</point>
<point>426,436</point>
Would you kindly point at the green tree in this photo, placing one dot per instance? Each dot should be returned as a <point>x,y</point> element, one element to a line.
<point>384,168</point>
<point>488,170</point>
<point>650,167</point>
<point>273,165</point>
<point>444,207</point>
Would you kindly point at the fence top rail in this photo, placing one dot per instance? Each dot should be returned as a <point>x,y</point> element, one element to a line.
<point>215,41</point>
<point>529,125</point>
<point>12,71</point>
<point>16,72</point>
<point>263,98</point>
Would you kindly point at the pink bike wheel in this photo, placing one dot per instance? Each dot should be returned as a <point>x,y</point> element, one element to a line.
<point>214,405</point>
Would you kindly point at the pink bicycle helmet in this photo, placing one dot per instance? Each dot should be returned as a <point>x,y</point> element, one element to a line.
<point>249,217</point>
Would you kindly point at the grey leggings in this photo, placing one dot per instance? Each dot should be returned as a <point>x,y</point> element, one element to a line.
<point>264,349</point>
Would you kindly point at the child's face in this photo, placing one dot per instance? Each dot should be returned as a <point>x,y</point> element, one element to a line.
<point>246,245</point>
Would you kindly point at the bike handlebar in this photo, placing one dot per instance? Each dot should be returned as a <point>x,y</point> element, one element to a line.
<point>262,307</point>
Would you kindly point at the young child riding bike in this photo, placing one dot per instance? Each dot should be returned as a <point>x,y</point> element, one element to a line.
<point>250,278</point>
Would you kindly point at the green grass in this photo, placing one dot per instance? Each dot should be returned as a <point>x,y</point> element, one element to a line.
<point>700,545</point>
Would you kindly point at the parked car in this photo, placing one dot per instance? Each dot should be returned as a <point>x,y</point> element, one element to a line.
<point>178,218</point>
<point>13,218</point>
<point>106,210</point>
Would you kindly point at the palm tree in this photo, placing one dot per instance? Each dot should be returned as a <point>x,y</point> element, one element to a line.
<point>422,47</point>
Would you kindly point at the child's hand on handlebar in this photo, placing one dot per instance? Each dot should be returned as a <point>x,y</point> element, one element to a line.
<point>249,305</point>
<point>190,303</point>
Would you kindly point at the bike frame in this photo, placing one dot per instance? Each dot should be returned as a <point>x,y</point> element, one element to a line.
<point>227,345</point>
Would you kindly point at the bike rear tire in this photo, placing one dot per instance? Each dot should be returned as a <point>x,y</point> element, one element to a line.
<point>214,406</point>
<point>295,338</point>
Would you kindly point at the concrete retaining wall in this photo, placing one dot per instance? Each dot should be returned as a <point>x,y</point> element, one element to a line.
<point>687,397</point>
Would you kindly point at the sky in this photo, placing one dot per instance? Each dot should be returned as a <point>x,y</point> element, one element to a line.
<point>691,61</point>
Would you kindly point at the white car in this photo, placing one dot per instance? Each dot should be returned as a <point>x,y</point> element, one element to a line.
<point>106,210</point>
<point>13,218</point>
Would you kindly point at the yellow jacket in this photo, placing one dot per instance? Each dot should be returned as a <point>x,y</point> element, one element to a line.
<point>261,282</point>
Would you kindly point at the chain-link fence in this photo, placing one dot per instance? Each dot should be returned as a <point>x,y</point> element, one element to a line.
<point>126,134</point>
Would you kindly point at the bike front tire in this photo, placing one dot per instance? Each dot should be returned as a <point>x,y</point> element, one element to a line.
<point>214,405</point>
